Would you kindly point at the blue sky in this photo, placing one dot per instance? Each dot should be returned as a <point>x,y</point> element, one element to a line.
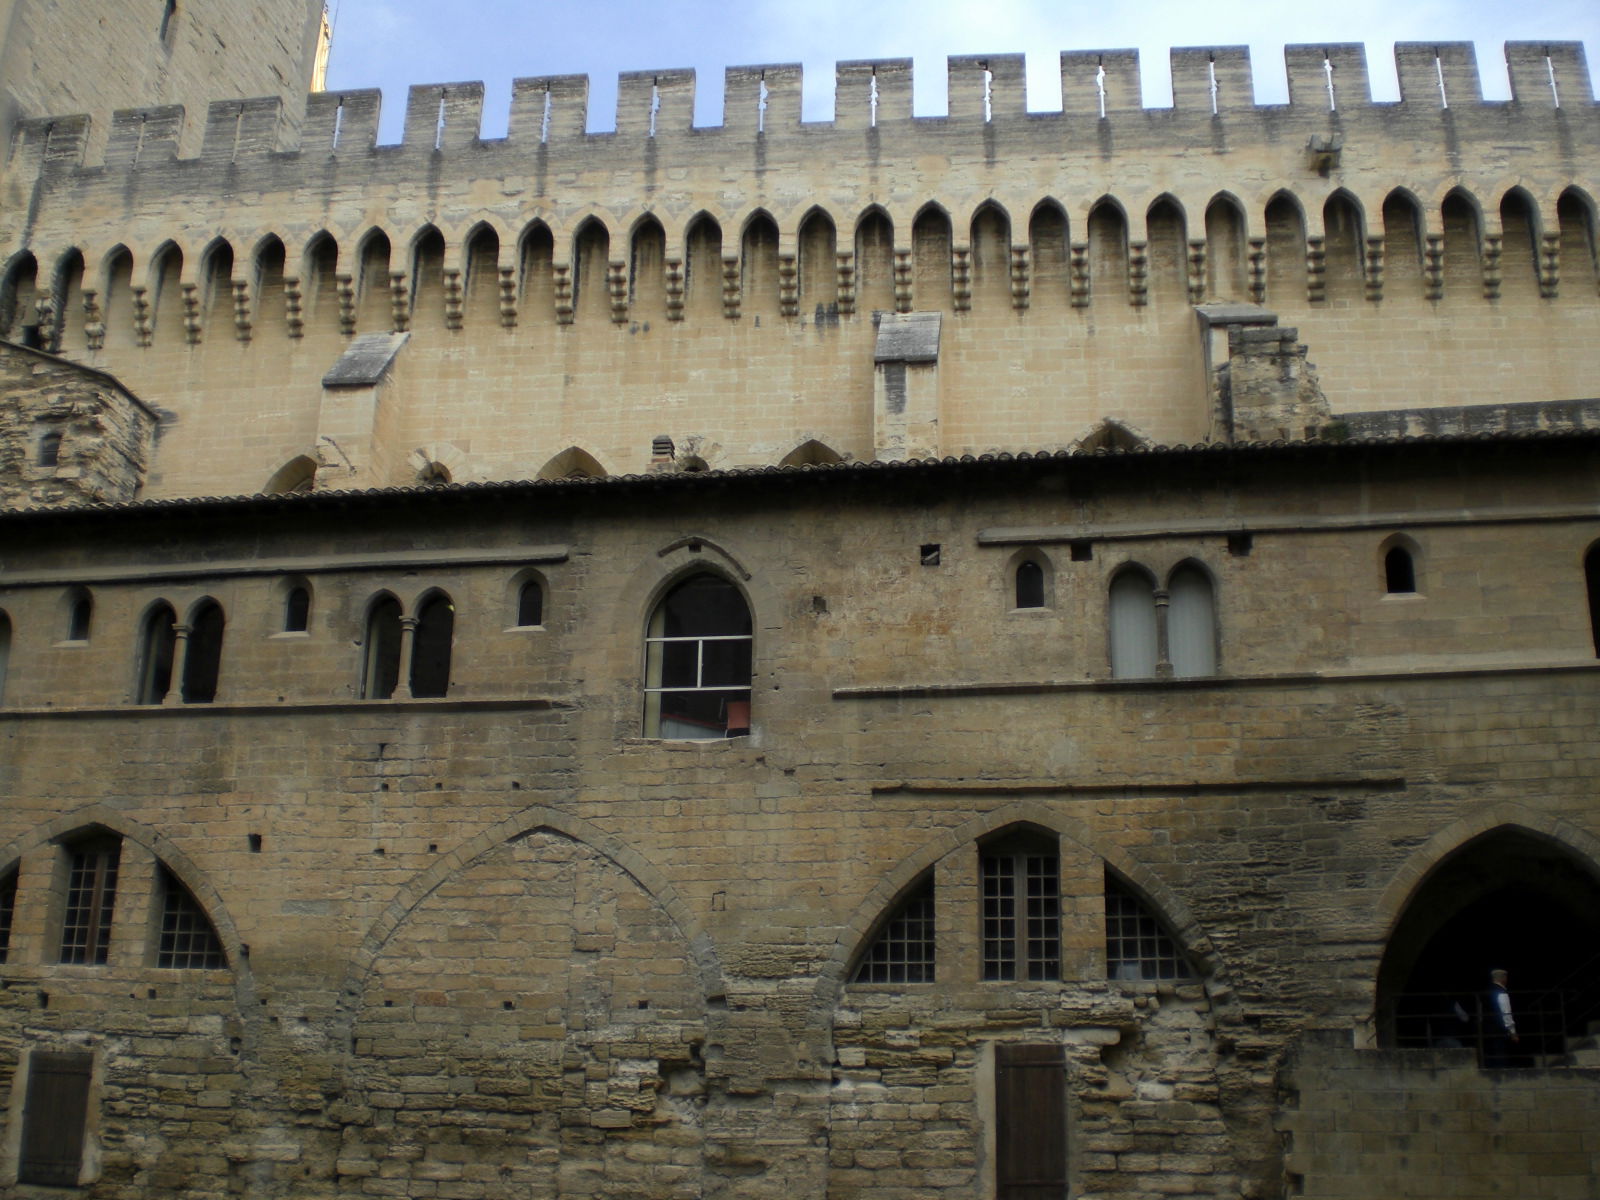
<point>392,44</point>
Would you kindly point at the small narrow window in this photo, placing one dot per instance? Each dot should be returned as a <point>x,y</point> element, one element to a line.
<point>698,662</point>
<point>91,899</point>
<point>8,912</point>
<point>188,939</point>
<point>903,950</point>
<point>157,642</point>
<point>1030,1091</point>
<point>55,1116</point>
<point>202,661</point>
<point>1399,571</point>
<point>1030,584</point>
<point>49,449</point>
<point>1021,896</point>
<point>1137,947</point>
<point>530,604</point>
<point>430,649</point>
<point>1191,624</point>
<point>380,664</point>
<point>80,616</point>
<point>297,610</point>
<point>1133,625</point>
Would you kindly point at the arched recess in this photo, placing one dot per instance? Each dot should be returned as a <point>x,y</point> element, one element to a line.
<point>481,287</point>
<point>68,292</point>
<point>868,916</point>
<point>647,271</point>
<point>811,453</point>
<point>1523,895</point>
<point>930,256</point>
<point>19,295</point>
<point>1286,250</point>
<point>299,474</point>
<point>1047,236</point>
<point>758,264</point>
<point>427,279</point>
<point>1463,245</point>
<point>117,292</point>
<point>166,293</point>
<point>1519,248</point>
<point>202,659</point>
<point>991,257</point>
<point>874,262</point>
<point>1226,249</point>
<point>576,950</point>
<point>572,463</point>
<point>819,244</point>
<point>591,255</point>
<point>1580,267</point>
<point>1402,245</point>
<point>1345,246</point>
<point>320,266</point>
<point>1134,643</point>
<point>702,267</point>
<point>271,263</point>
<point>374,297</point>
<point>1108,253</point>
<point>432,642</point>
<point>100,818</point>
<point>216,298</point>
<point>1168,248</point>
<point>535,259</point>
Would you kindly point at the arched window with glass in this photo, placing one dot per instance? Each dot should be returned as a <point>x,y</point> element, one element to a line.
<point>698,654</point>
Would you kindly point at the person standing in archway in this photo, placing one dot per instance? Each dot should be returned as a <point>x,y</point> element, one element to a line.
<point>1500,1026</point>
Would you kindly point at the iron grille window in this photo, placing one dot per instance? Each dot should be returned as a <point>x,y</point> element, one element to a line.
<point>188,940</point>
<point>903,950</point>
<point>91,897</point>
<point>1137,947</point>
<point>8,910</point>
<point>1021,911</point>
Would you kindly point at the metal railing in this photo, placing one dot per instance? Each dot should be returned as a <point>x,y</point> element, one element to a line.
<point>1463,1021</point>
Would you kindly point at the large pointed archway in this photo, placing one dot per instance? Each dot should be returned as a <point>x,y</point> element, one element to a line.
<point>1509,899</point>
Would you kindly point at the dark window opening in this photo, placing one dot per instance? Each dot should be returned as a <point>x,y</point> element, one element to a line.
<point>380,665</point>
<point>1030,585</point>
<point>1399,571</point>
<point>55,1115</point>
<point>188,939</point>
<point>8,912</point>
<point>430,648</point>
<point>202,661</point>
<point>91,898</point>
<point>157,647</point>
<point>1030,1122</point>
<point>1508,900</point>
<point>903,951</point>
<point>1591,575</point>
<point>1137,947</point>
<point>698,661</point>
<point>1020,880</point>
<point>929,554</point>
<point>297,610</point>
<point>80,618</point>
<point>530,604</point>
<point>49,449</point>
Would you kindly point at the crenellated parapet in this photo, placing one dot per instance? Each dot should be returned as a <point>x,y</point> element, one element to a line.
<point>602,271</point>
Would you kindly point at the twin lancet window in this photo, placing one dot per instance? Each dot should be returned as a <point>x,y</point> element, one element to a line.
<point>1019,925</point>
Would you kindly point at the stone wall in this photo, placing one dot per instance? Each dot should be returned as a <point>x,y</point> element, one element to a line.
<point>501,940</point>
<point>68,434</point>
<point>1429,1123</point>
